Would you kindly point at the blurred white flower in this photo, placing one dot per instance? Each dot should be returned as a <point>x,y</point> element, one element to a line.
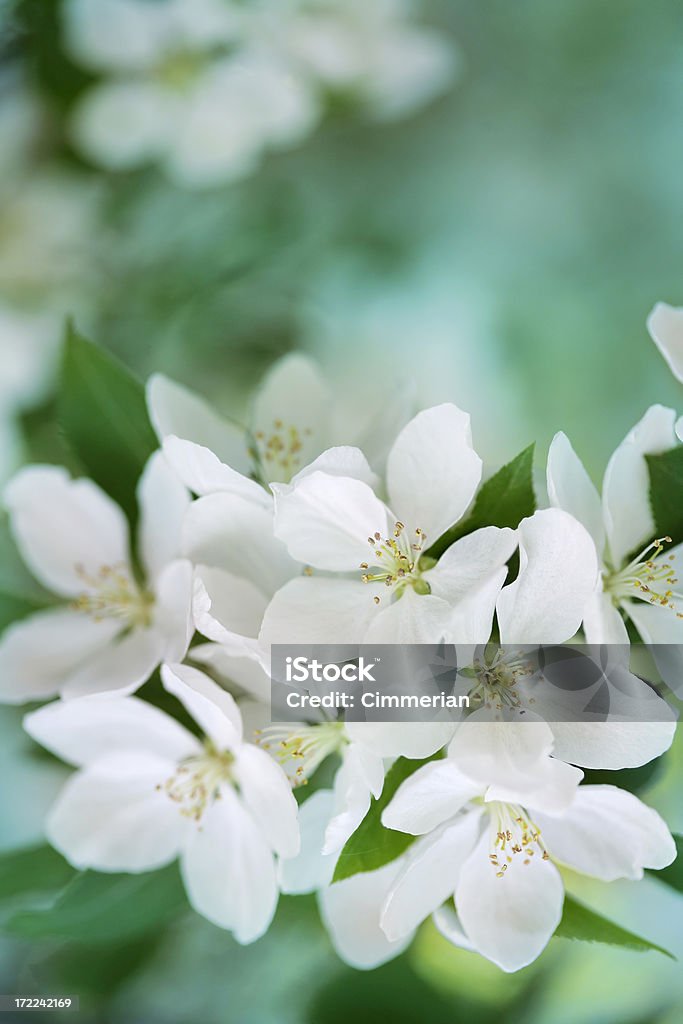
<point>206,87</point>
<point>116,628</point>
<point>638,576</point>
<point>148,791</point>
<point>494,850</point>
<point>665,324</point>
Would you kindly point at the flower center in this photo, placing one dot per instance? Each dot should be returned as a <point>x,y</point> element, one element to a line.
<point>278,453</point>
<point>495,684</point>
<point>197,781</point>
<point>513,834</point>
<point>397,562</point>
<point>114,594</point>
<point>648,577</point>
<point>179,69</point>
<point>301,751</point>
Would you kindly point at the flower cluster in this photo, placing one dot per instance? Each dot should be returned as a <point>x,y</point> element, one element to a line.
<point>206,87</point>
<point>282,531</point>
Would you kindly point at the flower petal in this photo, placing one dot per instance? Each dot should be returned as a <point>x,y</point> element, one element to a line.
<point>351,910</point>
<point>268,796</point>
<point>326,520</point>
<point>665,324</point>
<point>608,833</point>
<point>229,871</point>
<point>429,875</point>
<point>626,488</point>
<point>342,460</point>
<point>433,470</point>
<point>558,574</point>
<point>662,630</point>
<point>213,708</point>
<point>121,124</point>
<point>84,730</point>
<point>163,502</point>
<point>233,533</point>
<point>173,614</point>
<point>318,611</point>
<point>122,666</point>
<point>509,920</point>
<point>228,609</point>
<point>413,619</point>
<point>39,653</point>
<point>65,529</point>
<point>174,409</point>
<point>111,816</point>
<point>204,473</point>
<point>310,869</point>
<point>570,488</point>
<point>401,739</point>
<point>430,796</point>
<point>602,622</point>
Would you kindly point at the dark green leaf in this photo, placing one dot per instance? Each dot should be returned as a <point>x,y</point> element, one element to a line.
<point>106,908</point>
<point>104,417</point>
<point>673,875</point>
<point>372,845</point>
<point>38,869</point>
<point>666,492</point>
<point>504,500</point>
<point>579,922</point>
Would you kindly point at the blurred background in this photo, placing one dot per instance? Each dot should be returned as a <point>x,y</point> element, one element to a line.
<point>475,202</point>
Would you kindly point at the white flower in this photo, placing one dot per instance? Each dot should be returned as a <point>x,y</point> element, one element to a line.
<point>337,524</point>
<point>115,628</point>
<point>638,576</point>
<point>206,87</point>
<point>294,418</point>
<point>148,791</point>
<point>495,851</point>
<point>665,324</point>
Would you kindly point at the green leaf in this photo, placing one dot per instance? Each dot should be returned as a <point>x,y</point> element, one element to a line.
<point>39,869</point>
<point>666,492</point>
<point>673,875</point>
<point>504,500</point>
<point>579,922</point>
<point>103,414</point>
<point>106,908</point>
<point>372,845</point>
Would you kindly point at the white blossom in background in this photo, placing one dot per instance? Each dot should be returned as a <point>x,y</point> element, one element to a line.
<point>495,849</point>
<point>665,324</point>
<point>148,791</point>
<point>207,87</point>
<point>639,574</point>
<point>112,628</point>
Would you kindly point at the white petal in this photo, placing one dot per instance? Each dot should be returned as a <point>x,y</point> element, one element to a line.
<point>342,460</point>
<point>429,875</point>
<point>247,674</point>
<point>294,394</point>
<point>326,521</point>
<point>230,532</point>
<point>413,619</point>
<point>430,796</point>
<point>211,707</point>
<point>558,574</point>
<point>204,473</point>
<point>509,920</point>
<point>122,124</point>
<point>608,833</point>
<point>318,611</point>
<point>626,488</point>
<point>229,871</point>
<point>228,609</point>
<point>665,324</point>
<point>662,630</point>
<point>310,869</point>
<point>433,470</point>
<point>39,653</point>
<point>65,529</point>
<point>360,776</point>
<point>81,731</point>
<point>351,910</point>
<point>447,923</point>
<point>163,502</point>
<point>612,745</point>
<point>122,666</point>
<point>114,35</point>
<point>268,795</point>
<point>110,816</point>
<point>174,409</point>
<point>173,613</point>
<point>602,623</point>
<point>570,488</point>
<point>401,739</point>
